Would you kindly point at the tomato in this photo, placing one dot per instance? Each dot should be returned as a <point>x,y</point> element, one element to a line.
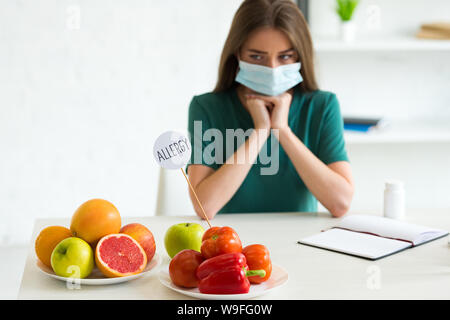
<point>258,257</point>
<point>183,267</point>
<point>220,240</point>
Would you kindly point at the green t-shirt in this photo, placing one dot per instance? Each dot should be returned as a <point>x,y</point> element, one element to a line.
<point>315,119</point>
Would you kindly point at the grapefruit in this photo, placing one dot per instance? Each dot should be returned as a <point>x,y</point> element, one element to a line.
<point>47,240</point>
<point>119,255</point>
<point>143,235</point>
<point>94,219</point>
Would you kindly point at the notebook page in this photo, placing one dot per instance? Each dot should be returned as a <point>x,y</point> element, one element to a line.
<point>390,228</point>
<point>355,243</point>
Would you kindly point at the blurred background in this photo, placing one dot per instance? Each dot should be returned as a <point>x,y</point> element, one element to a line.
<point>86,86</point>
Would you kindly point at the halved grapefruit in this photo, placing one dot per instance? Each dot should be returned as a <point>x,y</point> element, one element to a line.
<point>119,255</point>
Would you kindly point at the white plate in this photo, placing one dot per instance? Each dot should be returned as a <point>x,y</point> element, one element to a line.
<point>278,277</point>
<point>96,278</point>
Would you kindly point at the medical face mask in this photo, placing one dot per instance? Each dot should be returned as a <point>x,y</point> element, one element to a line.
<point>269,81</point>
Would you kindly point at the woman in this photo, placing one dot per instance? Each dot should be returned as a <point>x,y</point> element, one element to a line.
<point>266,83</point>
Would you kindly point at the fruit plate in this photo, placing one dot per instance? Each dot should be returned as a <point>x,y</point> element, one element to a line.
<point>96,278</point>
<point>278,277</point>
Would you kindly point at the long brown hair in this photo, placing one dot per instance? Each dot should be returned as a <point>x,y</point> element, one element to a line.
<point>283,15</point>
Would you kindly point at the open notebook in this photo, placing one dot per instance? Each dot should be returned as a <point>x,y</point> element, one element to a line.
<point>372,237</point>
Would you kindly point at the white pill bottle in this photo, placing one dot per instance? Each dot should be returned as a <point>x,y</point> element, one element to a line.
<point>394,200</point>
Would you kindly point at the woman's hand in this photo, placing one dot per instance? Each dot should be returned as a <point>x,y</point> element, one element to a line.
<point>259,113</point>
<point>278,107</point>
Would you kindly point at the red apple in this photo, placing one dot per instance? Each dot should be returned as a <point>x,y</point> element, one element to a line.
<point>143,236</point>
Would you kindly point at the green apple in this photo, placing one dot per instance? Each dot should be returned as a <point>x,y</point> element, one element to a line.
<point>72,257</point>
<point>183,236</point>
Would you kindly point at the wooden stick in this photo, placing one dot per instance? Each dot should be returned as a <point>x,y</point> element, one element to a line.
<point>198,201</point>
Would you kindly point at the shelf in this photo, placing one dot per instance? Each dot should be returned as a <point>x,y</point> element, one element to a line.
<point>381,44</point>
<point>403,132</point>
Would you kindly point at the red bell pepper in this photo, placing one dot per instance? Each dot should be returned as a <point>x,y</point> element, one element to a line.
<point>228,281</point>
<point>220,240</point>
<point>225,274</point>
<point>258,257</point>
<point>222,262</point>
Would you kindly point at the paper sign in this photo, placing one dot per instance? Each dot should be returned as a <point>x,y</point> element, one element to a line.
<point>172,150</point>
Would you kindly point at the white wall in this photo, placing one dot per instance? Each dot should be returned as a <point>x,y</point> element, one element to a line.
<point>81,107</point>
<point>86,87</point>
<point>379,17</point>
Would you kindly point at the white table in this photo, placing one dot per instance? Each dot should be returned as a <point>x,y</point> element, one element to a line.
<point>418,273</point>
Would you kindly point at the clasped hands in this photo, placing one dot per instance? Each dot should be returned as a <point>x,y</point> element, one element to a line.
<point>269,112</point>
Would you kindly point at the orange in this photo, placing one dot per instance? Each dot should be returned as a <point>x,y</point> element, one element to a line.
<point>119,255</point>
<point>47,240</point>
<point>95,219</point>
